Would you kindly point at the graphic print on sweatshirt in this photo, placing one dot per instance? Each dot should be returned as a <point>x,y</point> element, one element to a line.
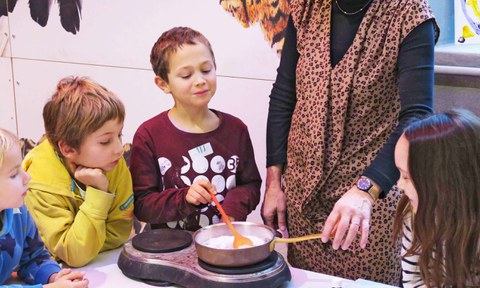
<point>198,163</point>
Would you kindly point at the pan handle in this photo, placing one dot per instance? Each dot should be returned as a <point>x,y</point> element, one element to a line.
<point>293,240</point>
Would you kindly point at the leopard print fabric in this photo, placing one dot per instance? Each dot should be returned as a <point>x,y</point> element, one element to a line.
<point>342,118</point>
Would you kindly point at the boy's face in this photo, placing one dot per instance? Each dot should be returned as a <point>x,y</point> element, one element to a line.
<point>192,78</point>
<point>405,182</point>
<point>102,149</point>
<point>13,180</point>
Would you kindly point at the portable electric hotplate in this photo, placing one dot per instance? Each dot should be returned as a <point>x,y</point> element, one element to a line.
<point>166,256</point>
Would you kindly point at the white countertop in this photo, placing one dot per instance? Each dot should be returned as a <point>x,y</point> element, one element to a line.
<point>104,272</point>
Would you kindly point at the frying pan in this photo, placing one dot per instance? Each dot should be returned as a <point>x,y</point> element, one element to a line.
<point>241,256</point>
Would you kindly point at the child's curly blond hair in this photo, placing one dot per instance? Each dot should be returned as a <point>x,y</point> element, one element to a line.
<point>7,140</point>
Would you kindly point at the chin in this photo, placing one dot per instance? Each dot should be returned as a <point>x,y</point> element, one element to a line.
<point>109,168</point>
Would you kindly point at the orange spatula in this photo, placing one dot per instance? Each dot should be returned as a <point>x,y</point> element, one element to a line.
<point>238,239</point>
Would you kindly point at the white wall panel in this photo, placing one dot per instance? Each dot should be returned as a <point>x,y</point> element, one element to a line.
<point>4,37</point>
<point>36,82</point>
<point>122,32</point>
<point>7,100</point>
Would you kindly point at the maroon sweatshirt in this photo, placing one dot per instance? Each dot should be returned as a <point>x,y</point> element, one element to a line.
<point>165,161</point>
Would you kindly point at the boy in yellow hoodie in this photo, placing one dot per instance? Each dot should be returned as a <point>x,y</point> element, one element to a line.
<point>80,194</point>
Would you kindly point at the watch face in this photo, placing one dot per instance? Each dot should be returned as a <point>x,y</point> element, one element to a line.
<point>364,184</point>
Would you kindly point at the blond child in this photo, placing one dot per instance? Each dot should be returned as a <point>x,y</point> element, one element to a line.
<point>21,248</point>
<point>81,193</point>
<point>438,215</point>
<point>182,155</point>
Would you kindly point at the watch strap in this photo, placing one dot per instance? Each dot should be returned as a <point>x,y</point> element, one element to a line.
<point>374,192</point>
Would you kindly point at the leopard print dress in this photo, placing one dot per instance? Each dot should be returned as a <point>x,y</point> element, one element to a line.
<point>342,118</point>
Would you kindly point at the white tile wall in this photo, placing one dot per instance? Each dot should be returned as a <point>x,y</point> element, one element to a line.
<point>7,100</point>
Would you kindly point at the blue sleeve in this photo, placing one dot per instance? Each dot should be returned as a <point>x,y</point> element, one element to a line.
<point>282,99</point>
<point>415,84</point>
<point>36,264</point>
<point>21,286</point>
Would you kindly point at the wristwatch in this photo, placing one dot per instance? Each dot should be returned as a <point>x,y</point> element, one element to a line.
<point>366,185</point>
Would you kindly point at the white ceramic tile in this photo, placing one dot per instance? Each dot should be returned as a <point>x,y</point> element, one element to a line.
<point>7,100</point>
<point>120,33</point>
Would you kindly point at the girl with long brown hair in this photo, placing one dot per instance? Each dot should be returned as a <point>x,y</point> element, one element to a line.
<point>439,163</point>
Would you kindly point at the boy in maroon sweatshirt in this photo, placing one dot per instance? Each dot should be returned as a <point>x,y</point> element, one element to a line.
<point>182,154</point>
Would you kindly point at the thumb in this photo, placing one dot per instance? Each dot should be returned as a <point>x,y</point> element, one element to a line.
<point>282,220</point>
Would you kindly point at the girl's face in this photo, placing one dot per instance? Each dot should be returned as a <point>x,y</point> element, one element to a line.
<point>13,179</point>
<point>405,182</point>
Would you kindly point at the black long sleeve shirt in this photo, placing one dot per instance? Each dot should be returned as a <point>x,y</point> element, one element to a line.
<point>415,79</point>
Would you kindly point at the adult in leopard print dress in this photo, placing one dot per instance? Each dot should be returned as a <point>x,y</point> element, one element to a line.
<point>352,74</point>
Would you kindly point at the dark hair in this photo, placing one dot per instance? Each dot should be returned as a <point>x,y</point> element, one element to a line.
<point>444,166</point>
<point>169,42</point>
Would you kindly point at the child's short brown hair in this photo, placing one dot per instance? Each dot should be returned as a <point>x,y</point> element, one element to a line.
<point>169,42</point>
<point>78,108</point>
<point>7,140</point>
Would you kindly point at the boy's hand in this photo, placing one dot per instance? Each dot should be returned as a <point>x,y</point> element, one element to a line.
<point>67,278</point>
<point>198,192</point>
<point>93,177</point>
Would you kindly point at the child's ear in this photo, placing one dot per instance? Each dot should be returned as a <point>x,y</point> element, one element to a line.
<point>66,150</point>
<point>162,84</point>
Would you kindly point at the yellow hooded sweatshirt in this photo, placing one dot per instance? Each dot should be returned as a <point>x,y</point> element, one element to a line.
<point>73,229</point>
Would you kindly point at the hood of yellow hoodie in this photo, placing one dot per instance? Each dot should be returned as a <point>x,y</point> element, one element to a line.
<point>43,163</point>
